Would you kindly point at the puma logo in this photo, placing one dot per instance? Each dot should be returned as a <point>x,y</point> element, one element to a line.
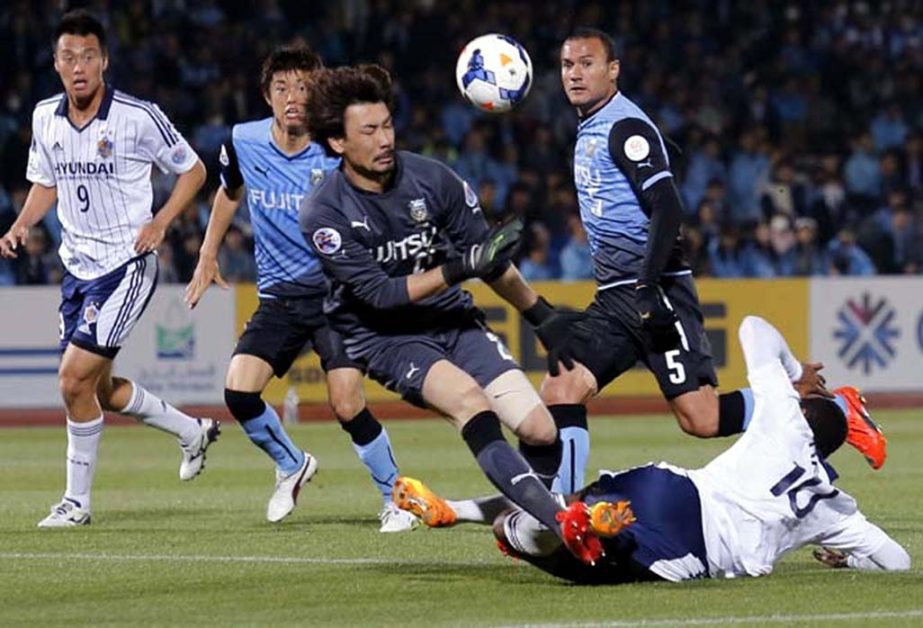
<point>364,224</point>
<point>262,171</point>
<point>516,479</point>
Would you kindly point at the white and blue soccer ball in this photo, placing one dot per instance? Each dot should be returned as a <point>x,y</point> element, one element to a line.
<point>494,72</point>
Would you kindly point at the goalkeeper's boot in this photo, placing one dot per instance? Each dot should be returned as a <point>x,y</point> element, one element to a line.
<point>66,514</point>
<point>393,519</point>
<point>413,495</point>
<point>578,535</point>
<point>194,453</point>
<point>862,432</point>
<point>285,495</point>
<point>608,519</point>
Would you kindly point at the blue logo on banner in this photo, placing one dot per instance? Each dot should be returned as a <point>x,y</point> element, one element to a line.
<point>867,333</point>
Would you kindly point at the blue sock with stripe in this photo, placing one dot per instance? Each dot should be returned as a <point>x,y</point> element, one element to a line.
<point>267,433</point>
<point>372,445</point>
<point>575,446</point>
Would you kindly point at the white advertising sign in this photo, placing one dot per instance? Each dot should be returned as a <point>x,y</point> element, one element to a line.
<point>869,332</point>
<point>177,354</point>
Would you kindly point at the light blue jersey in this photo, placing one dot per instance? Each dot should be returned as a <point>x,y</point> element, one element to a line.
<point>276,184</point>
<point>618,156</point>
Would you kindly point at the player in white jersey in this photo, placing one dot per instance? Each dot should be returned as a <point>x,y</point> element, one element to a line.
<point>92,152</point>
<point>769,493</point>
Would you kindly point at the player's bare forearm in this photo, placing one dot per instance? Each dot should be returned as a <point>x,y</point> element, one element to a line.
<point>38,202</point>
<point>223,210</point>
<point>187,186</point>
<point>512,288</point>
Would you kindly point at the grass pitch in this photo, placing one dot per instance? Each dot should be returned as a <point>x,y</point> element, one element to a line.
<point>163,552</point>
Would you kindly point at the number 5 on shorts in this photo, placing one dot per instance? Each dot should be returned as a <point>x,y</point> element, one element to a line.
<point>677,370</point>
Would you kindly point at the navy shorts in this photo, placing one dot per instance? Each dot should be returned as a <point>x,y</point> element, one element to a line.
<point>617,341</point>
<point>98,314</point>
<point>284,327</point>
<point>400,363</point>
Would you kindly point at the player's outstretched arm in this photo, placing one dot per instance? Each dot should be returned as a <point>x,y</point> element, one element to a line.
<point>860,544</point>
<point>555,328</point>
<point>38,202</point>
<point>762,344</point>
<point>206,270</point>
<point>187,186</point>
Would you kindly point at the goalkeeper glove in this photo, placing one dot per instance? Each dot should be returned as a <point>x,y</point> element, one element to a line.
<point>497,247</point>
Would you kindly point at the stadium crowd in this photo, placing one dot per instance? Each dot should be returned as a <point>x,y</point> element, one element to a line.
<point>800,124</point>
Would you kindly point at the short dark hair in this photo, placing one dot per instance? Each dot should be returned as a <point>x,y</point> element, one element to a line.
<point>288,59</point>
<point>333,90</point>
<point>585,32</point>
<point>80,22</point>
<point>827,421</point>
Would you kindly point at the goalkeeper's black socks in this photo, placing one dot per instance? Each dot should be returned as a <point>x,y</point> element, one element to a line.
<point>507,470</point>
<point>545,460</point>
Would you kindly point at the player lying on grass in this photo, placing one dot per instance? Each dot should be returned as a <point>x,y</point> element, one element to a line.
<point>770,493</point>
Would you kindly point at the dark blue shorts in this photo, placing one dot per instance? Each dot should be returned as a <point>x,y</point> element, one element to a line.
<point>400,363</point>
<point>98,314</point>
<point>283,328</point>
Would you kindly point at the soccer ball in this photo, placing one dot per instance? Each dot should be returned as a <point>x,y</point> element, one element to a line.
<point>494,72</point>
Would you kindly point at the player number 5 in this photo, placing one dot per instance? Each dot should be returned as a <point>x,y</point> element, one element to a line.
<point>677,370</point>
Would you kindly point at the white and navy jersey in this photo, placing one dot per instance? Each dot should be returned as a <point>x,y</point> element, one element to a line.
<point>369,243</point>
<point>667,537</point>
<point>102,173</point>
<point>618,156</point>
<point>276,186</point>
<point>770,493</point>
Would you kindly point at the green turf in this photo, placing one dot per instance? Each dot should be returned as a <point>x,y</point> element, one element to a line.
<point>163,552</point>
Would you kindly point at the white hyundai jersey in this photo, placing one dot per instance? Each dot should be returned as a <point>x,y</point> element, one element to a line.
<point>102,173</point>
<point>769,493</point>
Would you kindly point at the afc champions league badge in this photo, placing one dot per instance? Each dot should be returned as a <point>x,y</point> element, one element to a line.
<point>418,210</point>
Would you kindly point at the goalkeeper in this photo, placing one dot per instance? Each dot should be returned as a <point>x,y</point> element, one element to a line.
<point>396,234</point>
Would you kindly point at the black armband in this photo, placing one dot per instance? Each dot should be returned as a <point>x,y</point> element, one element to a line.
<point>536,314</point>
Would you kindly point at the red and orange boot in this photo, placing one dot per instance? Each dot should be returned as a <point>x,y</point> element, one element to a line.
<point>862,432</point>
<point>578,535</point>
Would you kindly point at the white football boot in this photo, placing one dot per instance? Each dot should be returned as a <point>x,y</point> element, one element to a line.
<point>285,496</point>
<point>66,514</point>
<point>393,519</point>
<point>194,454</point>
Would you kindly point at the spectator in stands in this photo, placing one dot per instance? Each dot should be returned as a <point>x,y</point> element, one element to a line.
<point>808,257</point>
<point>861,172</point>
<point>845,257</point>
<point>536,265</point>
<point>235,260</point>
<point>576,259</point>
<point>724,255</point>
<point>748,172</point>
<point>705,166</point>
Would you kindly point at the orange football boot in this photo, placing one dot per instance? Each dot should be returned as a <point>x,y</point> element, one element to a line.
<point>608,519</point>
<point>862,432</point>
<point>413,495</point>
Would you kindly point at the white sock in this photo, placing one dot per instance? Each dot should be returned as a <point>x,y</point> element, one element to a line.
<point>480,510</point>
<point>528,535</point>
<point>155,412</point>
<point>82,444</point>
